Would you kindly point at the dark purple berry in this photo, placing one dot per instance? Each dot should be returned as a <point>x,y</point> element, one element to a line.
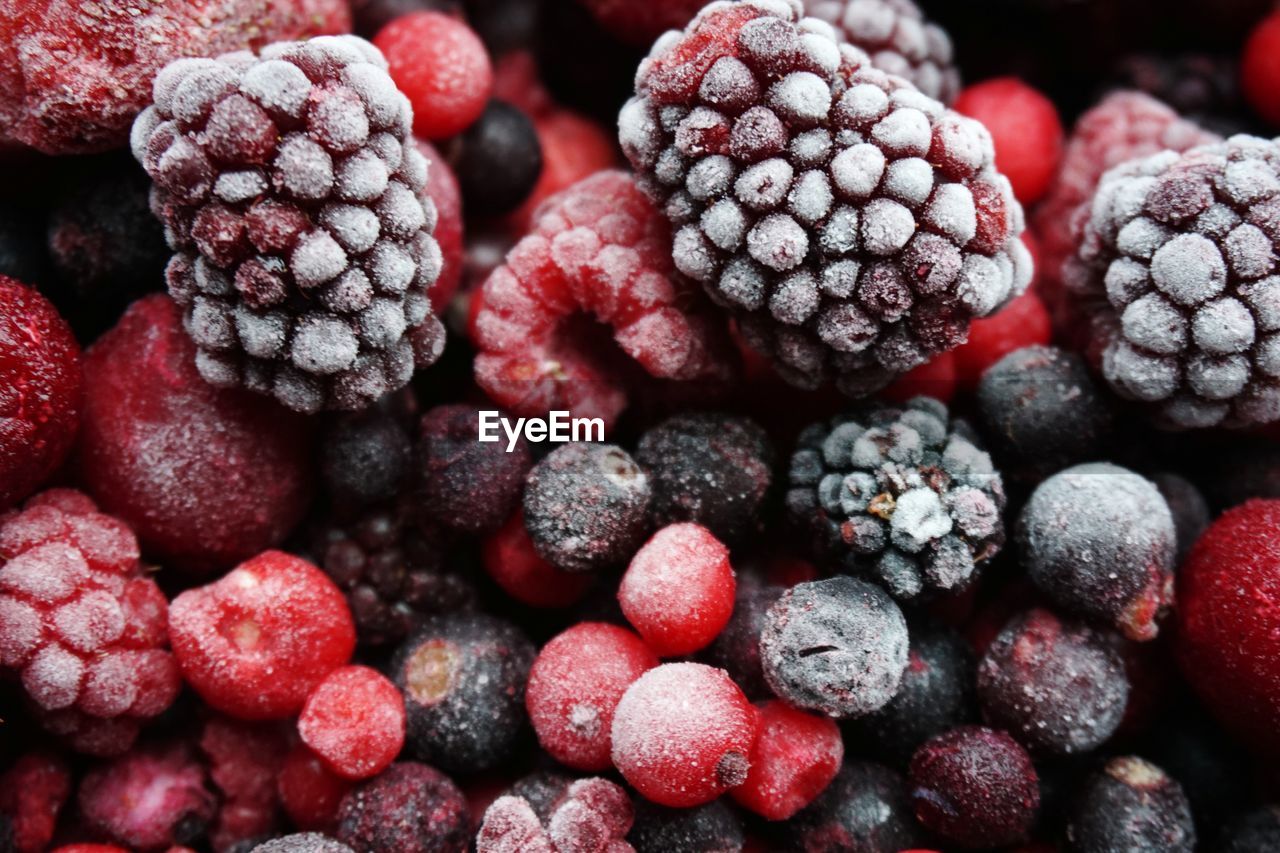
<point>1187,506</point>
<point>363,459</point>
<point>710,828</point>
<point>409,807</point>
<point>1131,805</point>
<point>1251,832</point>
<point>497,161</point>
<point>865,808</point>
<point>737,648</point>
<point>1211,766</point>
<point>303,842</point>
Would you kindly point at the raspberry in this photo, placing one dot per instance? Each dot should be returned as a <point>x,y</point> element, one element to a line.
<point>40,387</point>
<point>573,148</point>
<point>442,187</point>
<point>295,204</point>
<point>905,495</point>
<point>206,477</point>
<point>410,808</point>
<point>838,646</point>
<point>1099,541</point>
<point>592,814</point>
<point>354,720</point>
<point>853,260</point>
<point>302,842</point>
<point>899,40</point>
<point>498,160</point>
<point>683,734</point>
<point>363,458</point>
<point>150,799</point>
<point>32,793</point>
<point>443,68</point>
<point>713,826</point>
<point>79,75</point>
<point>975,787</point>
<point>244,760</point>
<point>1260,70</point>
<point>1025,128</point>
<point>599,249</point>
<point>1024,322</point>
<point>309,792</point>
<point>81,623</point>
<point>795,757</point>
<point>641,23</point>
<point>255,643</point>
<point>512,561</point>
<point>574,687</point>
<point>1130,803</point>
<point>866,803</point>
<point>737,648</point>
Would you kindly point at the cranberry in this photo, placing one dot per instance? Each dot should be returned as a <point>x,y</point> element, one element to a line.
<point>796,756</point>
<point>309,792</point>
<point>354,720</point>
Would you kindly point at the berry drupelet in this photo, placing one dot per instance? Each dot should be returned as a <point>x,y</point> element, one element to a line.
<point>294,199</point>
<point>904,495</point>
<point>853,225</point>
<point>1131,804</point>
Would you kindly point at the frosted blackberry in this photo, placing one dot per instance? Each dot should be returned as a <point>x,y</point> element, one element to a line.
<point>852,224</point>
<point>1176,273</point>
<point>906,496</point>
<point>294,202</point>
<point>899,40</point>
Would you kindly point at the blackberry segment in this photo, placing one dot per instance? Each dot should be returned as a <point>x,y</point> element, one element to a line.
<point>1131,804</point>
<point>904,495</point>
<point>294,201</point>
<point>853,225</point>
<point>712,827</point>
<point>1174,272</point>
<point>499,160</point>
<point>363,458</point>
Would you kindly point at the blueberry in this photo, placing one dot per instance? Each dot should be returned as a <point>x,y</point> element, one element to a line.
<point>658,829</point>
<point>409,807</point>
<point>499,160</point>
<point>1131,805</point>
<point>866,808</point>
<point>363,458</point>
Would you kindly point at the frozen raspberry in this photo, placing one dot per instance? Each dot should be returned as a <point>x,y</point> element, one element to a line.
<point>363,459</point>
<point>899,40</point>
<point>1255,830</point>
<point>1024,322</point>
<point>511,559</point>
<point>678,590</point>
<point>1025,128</point>
<point>1260,70</point>
<point>683,734</point>
<point>1203,87</point>
<point>244,760</point>
<point>303,842</point>
<point>975,787</point>
<point>463,678</point>
<point>905,495</point>
<point>294,200</point>
<point>354,720</point>
<point>573,148</point>
<point>1130,804</point>
<point>586,506</point>
<point>410,808</point>
<point>32,793</point>
<point>206,477</point>
<point>150,799</point>
<point>40,387</point>
<point>591,815</point>
<point>838,646</point>
<point>443,68</point>
<point>867,805</point>
<point>737,648</point>
<point>309,792</point>
<point>796,755</point>
<point>1060,687</point>
<point>1173,274</point>
<point>79,74</point>
<point>574,686</point>
<point>255,643</point>
<point>597,250</point>
<point>442,187</point>
<point>498,160</point>
<point>853,225</point>
<point>1099,541</point>
<point>710,827</point>
<point>81,623</point>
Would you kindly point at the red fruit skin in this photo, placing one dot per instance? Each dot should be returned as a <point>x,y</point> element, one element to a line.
<point>1228,639</point>
<point>206,477</point>
<point>573,147</point>
<point>1025,127</point>
<point>1022,323</point>
<point>40,390</point>
<point>935,378</point>
<point>255,643</point>
<point>354,720</point>
<point>796,755</point>
<point>574,687</point>
<point>441,66</point>
<point>309,791</point>
<point>510,559</point>
<point>442,187</point>
<point>244,760</point>
<point>32,793</point>
<point>89,848</point>
<point>1260,69</point>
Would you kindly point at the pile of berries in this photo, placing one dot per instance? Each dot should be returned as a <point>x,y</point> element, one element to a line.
<point>616,427</point>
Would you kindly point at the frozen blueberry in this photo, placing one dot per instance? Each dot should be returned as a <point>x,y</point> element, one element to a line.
<point>865,808</point>
<point>499,161</point>
<point>410,808</point>
<point>1212,767</point>
<point>1187,506</point>
<point>737,649</point>
<point>710,827</point>
<point>363,458</point>
<point>1131,805</point>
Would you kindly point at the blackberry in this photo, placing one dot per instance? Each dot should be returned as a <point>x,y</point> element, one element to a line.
<point>1250,832</point>
<point>736,649</point>
<point>302,842</point>
<point>899,40</point>
<point>1174,273</point>
<point>865,808</point>
<point>904,495</point>
<point>363,458</point>
<point>709,828</point>
<point>293,197</point>
<point>853,225</point>
<point>409,807</point>
<point>498,160</point>
<point>712,469</point>
<point>1131,804</point>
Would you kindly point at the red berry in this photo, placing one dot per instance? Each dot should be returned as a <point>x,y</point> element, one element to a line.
<point>309,791</point>
<point>641,23</point>
<point>244,760</point>
<point>40,386</point>
<point>1025,127</point>
<point>683,734</point>
<point>354,720</point>
<point>89,848</point>
<point>442,186</point>
<point>32,792</point>
<point>796,756</point>
<point>1260,69</point>
<point>206,477</point>
<point>443,68</point>
<point>575,685</point>
<point>255,643</point>
<point>935,378</point>
<point>678,590</point>
<point>573,148</point>
<point>514,564</point>
<point>1022,323</point>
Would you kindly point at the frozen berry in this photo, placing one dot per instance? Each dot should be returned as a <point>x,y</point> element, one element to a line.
<point>1060,687</point>
<point>512,561</point>
<point>255,643</point>
<point>1252,831</point>
<point>838,646</point>
<point>363,458</point>
<point>683,734</point>
<point>853,225</point>
<point>1203,87</point>
<point>1025,128</point>
<point>935,378</point>
<point>40,388</point>
<point>498,160</point>
<point>244,760</point>
<point>591,814</point>
<point>713,826</point>
<point>641,23</point>
<point>1099,541</point>
<point>354,720</point>
<point>796,755</point>
<point>1022,323</point>
<point>737,649</point>
<point>442,187</point>
<point>32,793</point>
<point>903,494</point>
<point>597,251</point>
<point>294,200</point>
<point>463,679</point>
<point>309,792</point>
<point>443,68</point>
<point>976,787</point>
<point>1131,804</point>
<point>411,808</point>
<point>1260,70</point>
<point>1188,508</point>
<point>574,687</point>
<point>865,808</point>
<point>586,506</point>
<point>302,842</point>
<point>573,148</point>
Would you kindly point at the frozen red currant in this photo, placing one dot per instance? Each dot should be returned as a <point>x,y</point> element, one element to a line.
<point>796,756</point>
<point>1025,128</point>
<point>354,720</point>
